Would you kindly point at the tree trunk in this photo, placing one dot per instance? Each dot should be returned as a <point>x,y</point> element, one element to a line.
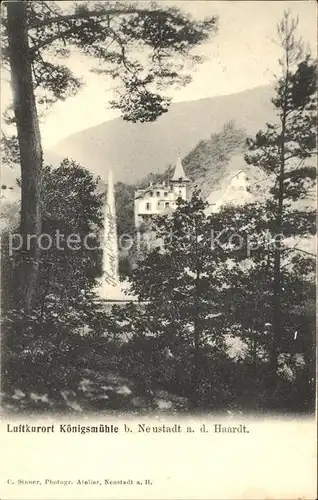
<point>196,378</point>
<point>276,320</point>
<point>277,310</point>
<point>195,393</point>
<point>30,149</point>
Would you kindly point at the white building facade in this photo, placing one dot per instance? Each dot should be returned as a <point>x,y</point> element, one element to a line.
<point>160,198</point>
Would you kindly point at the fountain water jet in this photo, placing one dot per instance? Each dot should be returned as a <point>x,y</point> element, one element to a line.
<point>110,288</point>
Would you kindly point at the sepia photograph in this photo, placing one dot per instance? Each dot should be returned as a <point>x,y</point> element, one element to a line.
<point>158,209</point>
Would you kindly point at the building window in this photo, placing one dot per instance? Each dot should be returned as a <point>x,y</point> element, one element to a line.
<point>147,206</point>
<point>167,204</point>
<point>158,193</point>
<point>150,193</point>
<point>180,192</point>
<point>165,193</point>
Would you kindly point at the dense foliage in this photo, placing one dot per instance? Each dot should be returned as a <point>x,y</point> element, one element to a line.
<point>37,35</point>
<point>212,280</point>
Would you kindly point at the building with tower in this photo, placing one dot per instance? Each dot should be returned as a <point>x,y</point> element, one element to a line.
<point>160,198</point>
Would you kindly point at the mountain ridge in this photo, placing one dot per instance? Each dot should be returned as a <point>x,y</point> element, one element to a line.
<point>135,150</point>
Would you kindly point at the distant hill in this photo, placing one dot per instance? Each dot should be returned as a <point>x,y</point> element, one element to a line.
<point>135,150</point>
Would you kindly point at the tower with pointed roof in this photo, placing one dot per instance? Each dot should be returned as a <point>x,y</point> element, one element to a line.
<point>179,181</point>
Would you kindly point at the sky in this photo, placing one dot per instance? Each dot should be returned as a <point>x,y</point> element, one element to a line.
<point>241,56</point>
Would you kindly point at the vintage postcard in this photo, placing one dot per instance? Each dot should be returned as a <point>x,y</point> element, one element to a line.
<point>158,250</point>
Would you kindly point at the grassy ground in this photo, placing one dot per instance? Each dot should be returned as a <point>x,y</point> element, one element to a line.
<point>96,392</point>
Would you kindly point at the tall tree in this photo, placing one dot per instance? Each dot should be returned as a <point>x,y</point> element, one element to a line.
<point>29,145</point>
<point>112,33</point>
<point>71,258</point>
<point>72,220</point>
<point>179,283</point>
<point>246,235</point>
<point>283,150</point>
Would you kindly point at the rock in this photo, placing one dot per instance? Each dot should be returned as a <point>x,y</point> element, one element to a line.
<point>85,385</point>
<point>123,390</point>
<point>18,394</point>
<point>163,405</point>
<point>38,397</point>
